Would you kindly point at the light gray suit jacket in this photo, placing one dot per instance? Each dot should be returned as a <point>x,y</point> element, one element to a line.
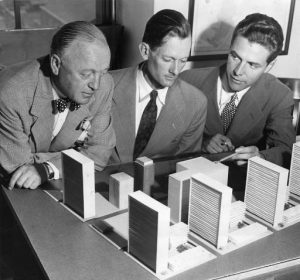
<point>26,119</point>
<point>263,117</point>
<point>178,129</point>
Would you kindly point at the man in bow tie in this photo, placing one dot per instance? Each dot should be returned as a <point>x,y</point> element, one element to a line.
<point>249,110</point>
<point>45,103</point>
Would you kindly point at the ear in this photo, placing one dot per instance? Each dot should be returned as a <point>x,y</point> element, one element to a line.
<point>55,63</point>
<point>270,65</point>
<point>144,50</point>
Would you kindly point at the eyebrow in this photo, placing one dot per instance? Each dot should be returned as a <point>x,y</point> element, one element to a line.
<point>250,62</point>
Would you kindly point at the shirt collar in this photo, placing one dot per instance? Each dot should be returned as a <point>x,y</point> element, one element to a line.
<point>55,95</point>
<point>145,89</point>
<point>240,94</point>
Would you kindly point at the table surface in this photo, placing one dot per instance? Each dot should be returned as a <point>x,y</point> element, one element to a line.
<point>70,249</point>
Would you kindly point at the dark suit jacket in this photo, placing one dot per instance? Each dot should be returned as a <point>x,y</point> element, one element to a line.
<point>178,129</point>
<point>263,117</point>
<point>26,119</point>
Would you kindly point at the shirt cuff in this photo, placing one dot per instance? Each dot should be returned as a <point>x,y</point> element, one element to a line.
<point>55,170</point>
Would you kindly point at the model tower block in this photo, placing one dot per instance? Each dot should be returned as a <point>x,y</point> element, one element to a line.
<point>294,181</point>
<point>144,174</point>
<point>216,170</point>
<point>209,212</point>
<point>79,183</point>
<point>149,230</point>
<point>265,193</point>
<point>179,195</point>
<point>120,186</point>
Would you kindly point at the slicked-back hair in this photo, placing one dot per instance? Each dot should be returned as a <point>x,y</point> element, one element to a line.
<point>72,31</point>
<point>165,23</point>
<point>261,29</point>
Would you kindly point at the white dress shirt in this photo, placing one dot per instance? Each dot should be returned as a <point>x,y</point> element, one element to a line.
<point>143,90</point>
<point>59,119</point>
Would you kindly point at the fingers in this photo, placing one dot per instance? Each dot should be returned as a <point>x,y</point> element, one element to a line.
<point>25,177</point>
<point>218,144</point>
<point>15,177</point>
<point>244,153</point>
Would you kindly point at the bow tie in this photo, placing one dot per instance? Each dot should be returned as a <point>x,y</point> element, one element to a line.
<point>62,103</point>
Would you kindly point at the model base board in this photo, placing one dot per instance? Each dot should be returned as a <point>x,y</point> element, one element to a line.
<point>242,237</point>
<point>103,208</point>
<point>182,258</point>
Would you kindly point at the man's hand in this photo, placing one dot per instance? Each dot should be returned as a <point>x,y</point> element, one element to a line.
<point>218,144</point>
<point>27,176</point>
<point>244,153</point>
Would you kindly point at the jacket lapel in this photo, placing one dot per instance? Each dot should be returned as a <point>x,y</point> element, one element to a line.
<point>169,121</point>
<point>123,109</point>
<point>248,113</point>
<point>70,130</point>
<point>213,119</point>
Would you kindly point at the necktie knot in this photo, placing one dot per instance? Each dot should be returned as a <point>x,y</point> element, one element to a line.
<point>62,103</point>
<point>153,95</point>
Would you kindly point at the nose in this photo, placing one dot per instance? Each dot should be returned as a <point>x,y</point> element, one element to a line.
<point>239,69</point>
<point>94,83</point>
<point>175,67</point>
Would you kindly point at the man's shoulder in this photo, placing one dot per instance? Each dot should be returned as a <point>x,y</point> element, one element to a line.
<point>273,85</point>
<point>199,76</point>
<point>18,75</point>
<point>189,92</point>
<point>198,72</point>
<point>123,74</point>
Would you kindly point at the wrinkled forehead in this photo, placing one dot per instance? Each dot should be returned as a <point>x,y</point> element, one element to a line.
<point>93,55</point>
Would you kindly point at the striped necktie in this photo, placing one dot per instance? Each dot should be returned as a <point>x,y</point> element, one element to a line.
<point>228,112</point>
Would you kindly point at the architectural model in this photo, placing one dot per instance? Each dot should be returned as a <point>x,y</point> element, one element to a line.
<point>209,211</point>
<point>294,180</point>
<point>216,170</point>
<point>79,183</point>
<point>178,195</point>
<point>143,174</point>
<point>120,186</point>
<point>149,224</point>
<point>265,193</point>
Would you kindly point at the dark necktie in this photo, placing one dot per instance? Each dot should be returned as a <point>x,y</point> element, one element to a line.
<point>62,103</point>
<point>146,126</point>
<point>228,112</point>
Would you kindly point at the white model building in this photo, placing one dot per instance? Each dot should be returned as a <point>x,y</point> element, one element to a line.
<point>178,195</point>
<point>144,174</point>
<point>216,170</point>
<point>209,212</point>
<point>79,183</point>
<point>294,180</point>
<point>149,231</point>
<point>265,192</point>
<point>120,186</point>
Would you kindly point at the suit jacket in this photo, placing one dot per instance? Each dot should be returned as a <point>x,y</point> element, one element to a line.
<point>179,126</point>
<point>26,119</point>
<point>263,117</point>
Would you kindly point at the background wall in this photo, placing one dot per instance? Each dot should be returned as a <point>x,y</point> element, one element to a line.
<point>133,15</point>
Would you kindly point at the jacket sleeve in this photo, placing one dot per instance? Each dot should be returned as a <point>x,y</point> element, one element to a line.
<point>191,140</point>
<point>280,133</point>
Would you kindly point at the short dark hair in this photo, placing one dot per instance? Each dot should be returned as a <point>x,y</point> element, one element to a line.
<point>263,30</point>
<point>165,23</point>
<point>75,30</point>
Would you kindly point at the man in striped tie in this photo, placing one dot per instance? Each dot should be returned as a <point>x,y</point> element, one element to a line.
<point>249,111</point>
